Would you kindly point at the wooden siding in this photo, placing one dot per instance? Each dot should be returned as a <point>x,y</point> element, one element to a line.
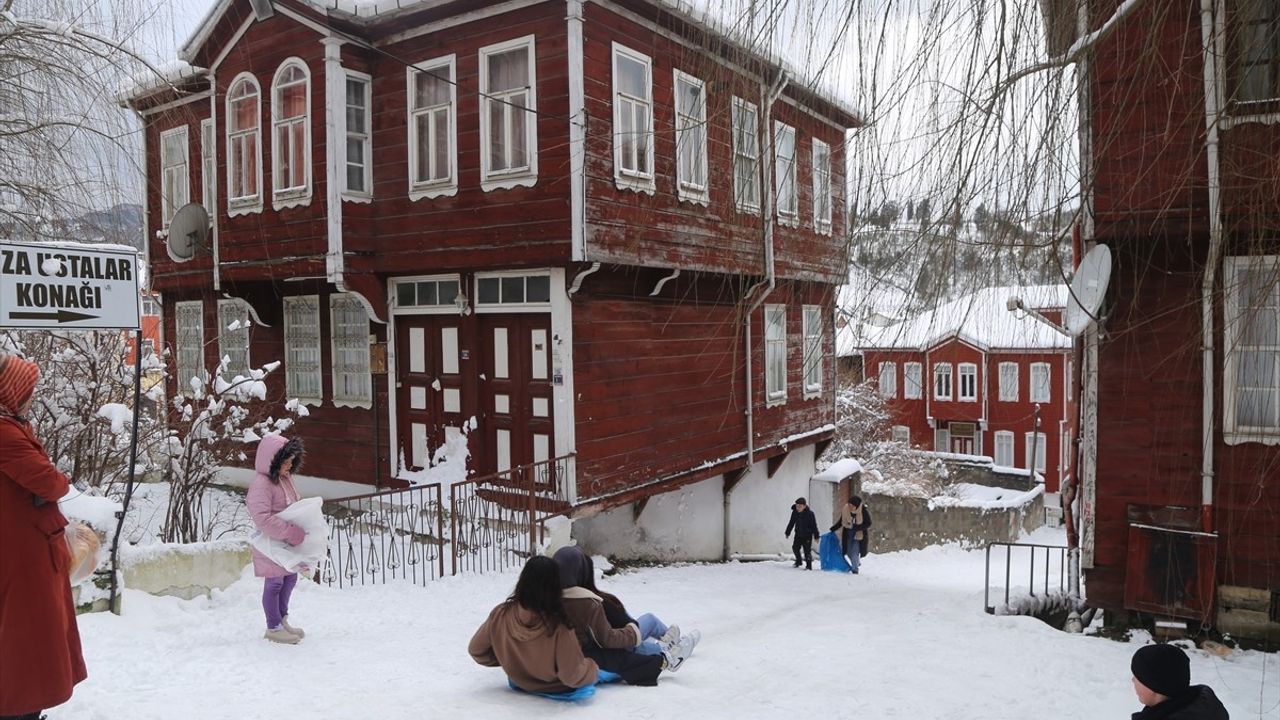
<point>660,383</point>
<point>659,229</point>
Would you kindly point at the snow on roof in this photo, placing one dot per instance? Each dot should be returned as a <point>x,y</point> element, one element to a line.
<point>709,18</point>
<point>981,319</point>
<point>165,75</point>
<point>839,470</point>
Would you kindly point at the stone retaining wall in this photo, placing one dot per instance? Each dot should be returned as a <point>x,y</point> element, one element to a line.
<point>903,523</point>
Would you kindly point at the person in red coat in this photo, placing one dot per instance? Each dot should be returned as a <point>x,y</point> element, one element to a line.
<point>40,660</point>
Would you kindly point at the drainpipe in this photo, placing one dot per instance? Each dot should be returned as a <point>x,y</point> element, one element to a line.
<point>1211,42</point>
<point>765,286</point>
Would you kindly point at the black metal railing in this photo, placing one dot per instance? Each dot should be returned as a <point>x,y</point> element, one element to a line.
<point>388,535</point>
<point>499,520</point>
<point>1053,560</point>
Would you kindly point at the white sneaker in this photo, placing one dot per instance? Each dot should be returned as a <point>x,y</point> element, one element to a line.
<point>671,636</point>
<point>678,653</point>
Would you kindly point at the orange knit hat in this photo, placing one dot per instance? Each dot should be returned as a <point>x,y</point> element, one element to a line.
<point>17,382</point>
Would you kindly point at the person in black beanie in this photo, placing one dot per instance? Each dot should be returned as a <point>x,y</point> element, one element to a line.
<point>805,524</point>
<point>1162,680</point>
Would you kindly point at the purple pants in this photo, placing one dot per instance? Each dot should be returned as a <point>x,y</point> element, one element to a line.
<point>275,598</point>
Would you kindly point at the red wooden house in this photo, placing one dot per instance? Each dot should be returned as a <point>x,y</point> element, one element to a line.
<point>1181,388</point>
<point>969,376</point>
<point>598,229</point>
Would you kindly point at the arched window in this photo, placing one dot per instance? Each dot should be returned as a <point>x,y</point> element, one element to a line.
<point>244,148</point>
<point>291,132</point>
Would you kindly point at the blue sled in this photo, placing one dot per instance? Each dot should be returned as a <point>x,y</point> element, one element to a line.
<point>577,695</point>
<point>830,554</point>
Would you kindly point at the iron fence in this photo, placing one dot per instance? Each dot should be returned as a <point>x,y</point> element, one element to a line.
<point>1053,561</point>
<point>388,535</point>
<point>499,520</point>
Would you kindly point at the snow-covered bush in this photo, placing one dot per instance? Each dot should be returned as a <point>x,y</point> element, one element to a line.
<point>863,426</point>
<point>213,423</point>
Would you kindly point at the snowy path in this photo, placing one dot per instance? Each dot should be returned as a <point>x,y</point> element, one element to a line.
<point>905,639</point>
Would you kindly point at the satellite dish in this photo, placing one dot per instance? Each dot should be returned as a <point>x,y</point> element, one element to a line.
<point>1088,288</point>
<point>187,232</point>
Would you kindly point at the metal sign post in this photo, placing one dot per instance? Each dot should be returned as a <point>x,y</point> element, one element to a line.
<point>72,286</point>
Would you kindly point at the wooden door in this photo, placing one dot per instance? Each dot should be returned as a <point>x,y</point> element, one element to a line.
<point>429,406</point>
<point>515,394</point>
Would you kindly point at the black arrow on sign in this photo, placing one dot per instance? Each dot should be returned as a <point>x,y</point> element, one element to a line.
<point>62,316</point>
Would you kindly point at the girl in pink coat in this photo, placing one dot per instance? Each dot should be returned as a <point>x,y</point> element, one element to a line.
<point>270,492</point>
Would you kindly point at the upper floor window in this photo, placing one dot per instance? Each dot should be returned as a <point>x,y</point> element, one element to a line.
<point>813,360</point>
<point>291,132</point>
<point>784,163</point>
<point>942,381</point>
<point>821,187</point>
<point>176,179</point>
<point>359,170</point>
<point>746,156</point>
<point>1256,27</point>
<point>632,119</point>
<point>349,332</point>
<point>691,138</point>
<point>1008,382</point>
<point>432,129</point>
<point>302,347</point>
<point>189,344</point>
<point>888,380</point>
<point>508,115</point>
<point>1251,361</point>
<point>775,354</point>
<point>912,382</point>
<point>208,166</point>
<point>1040,392</point>
<point>244,147</point>
<point>233,336</point>
<point>968,382</point>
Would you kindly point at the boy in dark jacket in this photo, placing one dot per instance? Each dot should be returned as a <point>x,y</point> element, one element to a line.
<point>806,527</point>
<point>1162,680</point>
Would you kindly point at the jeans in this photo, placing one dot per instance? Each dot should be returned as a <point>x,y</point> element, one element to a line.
<point>275,598</point>
<point>854,554</point>
<point>651,628</point>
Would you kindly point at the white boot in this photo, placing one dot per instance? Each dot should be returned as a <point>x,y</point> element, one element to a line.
<point>280,635</point>
<point>296,631</point>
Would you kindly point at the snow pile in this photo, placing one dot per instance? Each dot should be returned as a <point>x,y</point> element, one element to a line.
<point>969,495</point>
<point>98,512</point>
<point>120,417</point>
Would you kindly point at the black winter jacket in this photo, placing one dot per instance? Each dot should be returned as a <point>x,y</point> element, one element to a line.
<point>1197,703</point>
<point>804,523</point>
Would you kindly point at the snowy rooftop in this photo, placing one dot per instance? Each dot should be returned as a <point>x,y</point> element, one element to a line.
<point>981,319</point>
<point>169,74</point>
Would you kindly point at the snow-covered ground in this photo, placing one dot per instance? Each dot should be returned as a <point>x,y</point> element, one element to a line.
<point>907,638</point>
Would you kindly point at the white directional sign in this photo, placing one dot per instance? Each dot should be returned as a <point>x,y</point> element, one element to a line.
<point>68,286</point>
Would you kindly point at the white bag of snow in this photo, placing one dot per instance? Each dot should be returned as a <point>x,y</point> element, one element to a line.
<point>307,515</point>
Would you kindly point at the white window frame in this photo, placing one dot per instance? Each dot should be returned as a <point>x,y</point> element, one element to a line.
<point>970,370</point>
<point>785,173</point>
<point>243,204</point>
<point>291,195</point>
<point>421,308</point>
<point>775,354</point>
<point>1043,369</point>
<point>365,138</point>
<point>941,440</point>
<point>1009,379</point>
<point>180,172</point>
<point>888,369</point>
<point>359,353</point>
<point>293,343</point>
<point>746,154</point>
<point>1068,379</point>
<point>639,179</point>
<point>938,373</point>
<point>901,433</point>
<point>184,354</point>
<point>208,166</point>
<point>814,356</point>
<point>446,186</point>
<point>237,353</point>
<point>525,176</point>
<point>691,127</point>
<point>822,187</point>
<point>1040,461</point>
<point>482,307</point>
<point>1004,455</point>
<point>912,381</point>
<point>1235,324</point>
